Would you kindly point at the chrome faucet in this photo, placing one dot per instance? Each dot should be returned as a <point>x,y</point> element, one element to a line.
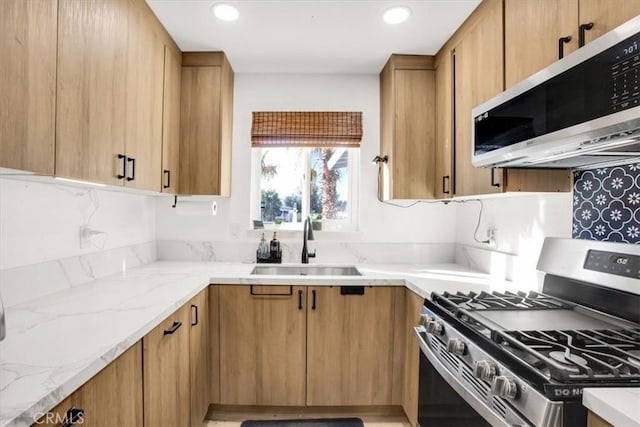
<point>307,234</point>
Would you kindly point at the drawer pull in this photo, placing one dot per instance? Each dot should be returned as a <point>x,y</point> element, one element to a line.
<point>74,416</point>
<point>176,325</point>
<point>269,294</point>
<point>195,321</point>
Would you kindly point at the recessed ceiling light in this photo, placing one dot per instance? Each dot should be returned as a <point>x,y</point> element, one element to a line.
<point>225,12</point>
<point>396,15</point>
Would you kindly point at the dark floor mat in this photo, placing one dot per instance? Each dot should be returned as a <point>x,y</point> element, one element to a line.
<point>322,422</point>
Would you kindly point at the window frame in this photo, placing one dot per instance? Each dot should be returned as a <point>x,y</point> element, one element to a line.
<point>349,225</point>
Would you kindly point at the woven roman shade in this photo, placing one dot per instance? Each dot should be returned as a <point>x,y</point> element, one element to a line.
<point>306,129</point>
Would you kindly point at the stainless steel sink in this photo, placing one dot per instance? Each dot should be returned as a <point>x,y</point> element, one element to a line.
<point>313,270</point>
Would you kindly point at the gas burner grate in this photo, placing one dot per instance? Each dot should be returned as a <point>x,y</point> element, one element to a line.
<point>578,355</point>
<point>498,301</point>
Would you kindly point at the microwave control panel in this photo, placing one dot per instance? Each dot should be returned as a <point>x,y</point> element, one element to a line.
<point>625,73</point>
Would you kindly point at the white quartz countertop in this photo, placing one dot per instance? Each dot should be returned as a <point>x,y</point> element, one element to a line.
<point>617,406</point>
<point>56,343</point>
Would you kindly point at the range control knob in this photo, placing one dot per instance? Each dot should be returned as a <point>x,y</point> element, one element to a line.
<point>504,387</point>
<point>425,319</point>
<point>435,327</point>
<point>484,370</point>
<point>456,346</point>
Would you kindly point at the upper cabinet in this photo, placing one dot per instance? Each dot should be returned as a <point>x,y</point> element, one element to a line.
<point>28,84</point>
<point>407,126</point>
<point>110,89</point>
<point>91,90</point>
<point>171,119</point>
<point>478,62</point>
<point>444,130</point>
<point>470,69</point>
<point>601,16</point>
<point>144,84</point>
<point>549,29</point>
<point>205,124</point>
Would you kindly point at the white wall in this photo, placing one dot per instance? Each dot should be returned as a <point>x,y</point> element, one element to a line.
<point>522,222</point>
<point>41,221</point>
<point>378,222</point>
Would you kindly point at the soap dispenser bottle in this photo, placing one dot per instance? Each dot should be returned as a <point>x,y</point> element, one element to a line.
<point>263,248</point>
<point>274,247</point>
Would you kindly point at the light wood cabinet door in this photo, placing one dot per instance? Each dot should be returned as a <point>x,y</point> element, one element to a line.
<point>407,125</point>
<point>594,420</point>
<point>199,357</point>
<point>262,345</point>
<point>144,100</point>
<point>166,372</point>
<point>91,89</point>
<point>350,346</point>
<point>444,184</point>
<point>479,71</point>
<point>411,373</point>
<point>171,120</point>
<point>112,398</point>
<point>205,124</point>
<point>28,84</point>
<point>606,15</point>
<point>532,32</point>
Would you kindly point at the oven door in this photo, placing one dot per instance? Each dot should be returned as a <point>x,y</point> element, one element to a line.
<point>445,400</point>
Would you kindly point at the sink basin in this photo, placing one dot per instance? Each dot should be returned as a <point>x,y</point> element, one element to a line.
<point>313,270</point>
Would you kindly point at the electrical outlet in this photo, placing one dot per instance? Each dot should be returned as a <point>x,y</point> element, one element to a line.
<point>491,235</point>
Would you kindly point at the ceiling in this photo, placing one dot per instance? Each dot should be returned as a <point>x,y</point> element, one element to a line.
<point>311,36</point>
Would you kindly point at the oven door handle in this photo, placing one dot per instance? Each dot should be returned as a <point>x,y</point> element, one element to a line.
<point>478,405</point>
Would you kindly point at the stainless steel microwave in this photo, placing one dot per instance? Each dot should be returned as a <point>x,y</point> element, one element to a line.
<point>582,111</point>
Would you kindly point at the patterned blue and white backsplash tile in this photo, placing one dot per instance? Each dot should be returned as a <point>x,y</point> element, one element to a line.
<point>606,204</point>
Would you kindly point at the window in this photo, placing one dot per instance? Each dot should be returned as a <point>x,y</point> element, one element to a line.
<point>296,182</point>
<point>306,164</point>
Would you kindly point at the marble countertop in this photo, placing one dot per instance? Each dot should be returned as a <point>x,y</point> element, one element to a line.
<point>58,342</point>
<point>617,406</point>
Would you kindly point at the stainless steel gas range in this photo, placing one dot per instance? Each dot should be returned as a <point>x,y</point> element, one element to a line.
<point>516,359</point>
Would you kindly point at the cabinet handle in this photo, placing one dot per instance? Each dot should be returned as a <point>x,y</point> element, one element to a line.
<point>124,166</point>
<point>561,43</point>
<point>583,29</point>
<point>176,325</point>
<point>167,173</point>
<point>299,300</point>
<point>74,416</point>
<point>268,294</point>
<point>194,323</point>
<point>445,180</point>
<point>493,178</point>
<point>133,168</point>
<point>313,299</point>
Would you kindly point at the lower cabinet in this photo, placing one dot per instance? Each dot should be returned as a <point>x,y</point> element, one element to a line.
<point>350,345</point>
<point>166,372</point>
<point>595,421</point>
<point>298,345</point>
<point>262,345</point>
<point>199,359</point>
<point>112,398</point>
<point>411,372</point>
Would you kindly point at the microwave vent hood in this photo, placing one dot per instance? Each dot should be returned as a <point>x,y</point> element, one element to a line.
<point>581,112</point>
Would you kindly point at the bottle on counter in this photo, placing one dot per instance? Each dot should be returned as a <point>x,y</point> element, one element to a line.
<point>274,247</point>
<point>263,248</point>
